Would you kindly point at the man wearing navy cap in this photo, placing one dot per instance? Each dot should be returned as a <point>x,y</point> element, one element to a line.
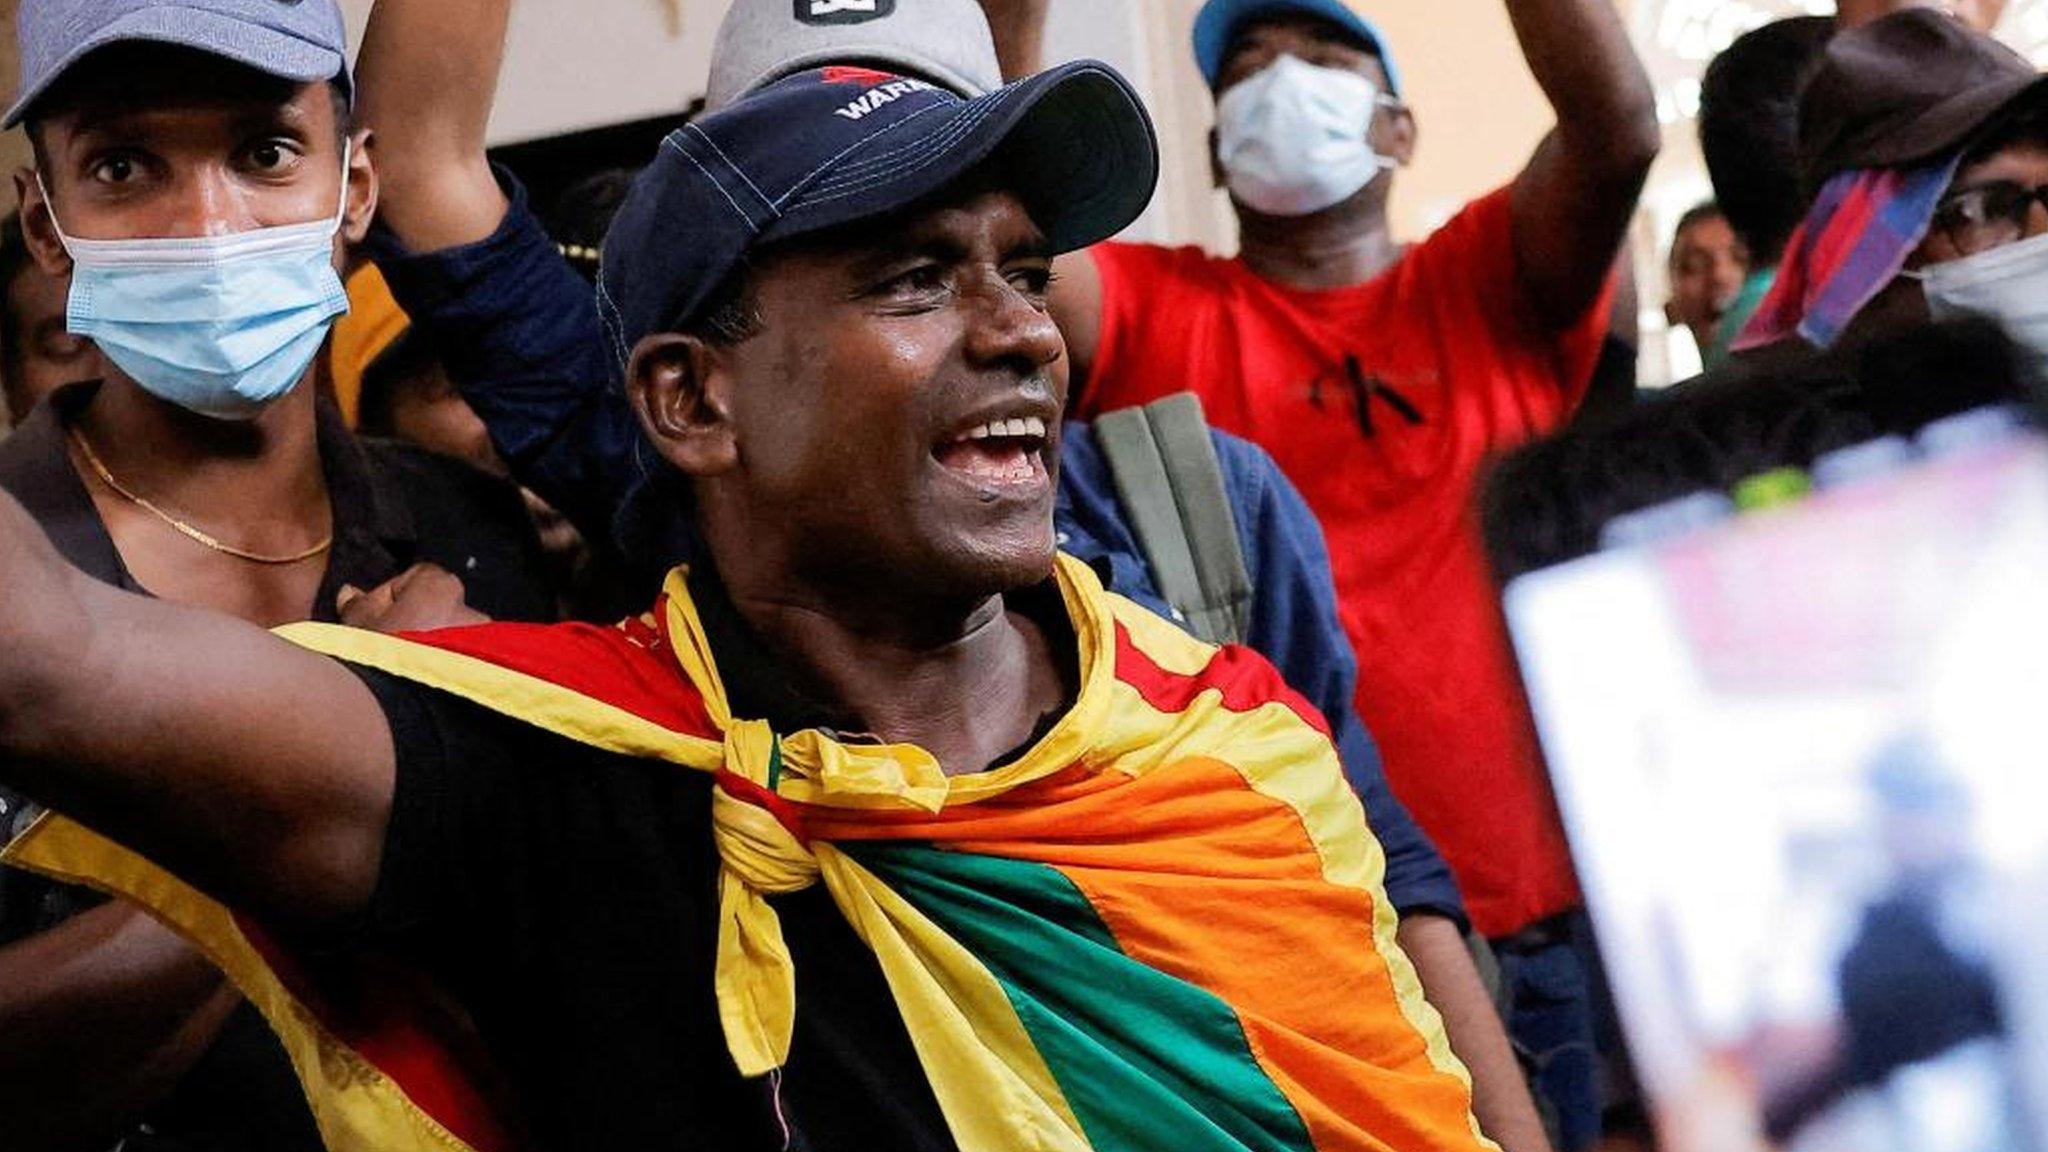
<point>474,271</point>
<point>1382,376</point>
<point>886,828</point>
<point>197,179</point>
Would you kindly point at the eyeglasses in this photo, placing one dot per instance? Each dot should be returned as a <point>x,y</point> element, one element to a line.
<point>1988,215</point>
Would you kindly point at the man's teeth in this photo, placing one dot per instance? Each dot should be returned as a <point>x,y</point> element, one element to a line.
<point>1028,426</point>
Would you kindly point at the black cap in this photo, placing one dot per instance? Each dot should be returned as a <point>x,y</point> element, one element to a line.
<point>834,146</point>
<point>1912,87</point>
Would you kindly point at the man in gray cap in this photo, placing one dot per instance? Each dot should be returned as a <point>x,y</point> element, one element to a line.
<point>197,179</point>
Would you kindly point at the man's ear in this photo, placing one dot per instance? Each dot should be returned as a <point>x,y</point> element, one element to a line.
<point>1394,134</point>
<point>362,187</point>
<point>38,226</point>
<point>680,390</point>
<point>1670,315</point>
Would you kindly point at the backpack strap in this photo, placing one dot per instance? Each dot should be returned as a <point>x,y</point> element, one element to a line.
<point>1171,483</point>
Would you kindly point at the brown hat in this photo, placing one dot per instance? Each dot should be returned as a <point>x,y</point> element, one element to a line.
<point>1910,87</point>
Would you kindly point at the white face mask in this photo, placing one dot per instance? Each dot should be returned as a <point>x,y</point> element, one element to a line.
<point>2009,284</point>
<point>1293,140</point>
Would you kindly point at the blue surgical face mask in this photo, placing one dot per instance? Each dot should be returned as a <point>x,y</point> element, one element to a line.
<point>218,325</point>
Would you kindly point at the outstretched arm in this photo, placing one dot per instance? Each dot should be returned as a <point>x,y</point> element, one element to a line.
<point>256,770</point>
<point>1573,202</point>
<point>425,82</point>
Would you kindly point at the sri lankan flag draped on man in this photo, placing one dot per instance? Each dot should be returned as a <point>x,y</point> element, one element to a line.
<point>1162,928</point>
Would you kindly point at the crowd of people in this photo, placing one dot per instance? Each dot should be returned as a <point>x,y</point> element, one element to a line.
<point>762,653</point>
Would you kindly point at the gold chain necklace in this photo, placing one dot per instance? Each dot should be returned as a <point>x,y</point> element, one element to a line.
<point>183,528</point>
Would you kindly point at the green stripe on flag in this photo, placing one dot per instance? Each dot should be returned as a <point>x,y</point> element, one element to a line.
<point>1146,1061</point>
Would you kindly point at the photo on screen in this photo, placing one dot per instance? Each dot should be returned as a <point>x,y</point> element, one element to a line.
<point>1803,761</point>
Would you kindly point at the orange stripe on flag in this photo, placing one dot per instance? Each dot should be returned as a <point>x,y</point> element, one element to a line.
<point>1319,1009</point>
<point>1245,916</point>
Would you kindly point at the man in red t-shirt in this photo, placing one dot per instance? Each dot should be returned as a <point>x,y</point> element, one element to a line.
<point>1383,376</point>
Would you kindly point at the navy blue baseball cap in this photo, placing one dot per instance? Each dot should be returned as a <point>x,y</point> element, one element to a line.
<point>1219,21</point>
<point>297,40</point>
<point>834,146</point>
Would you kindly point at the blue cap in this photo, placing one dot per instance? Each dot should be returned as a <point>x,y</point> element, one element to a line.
<point>834,146</point>
<point>1220,19</point>
<point>297,40</point>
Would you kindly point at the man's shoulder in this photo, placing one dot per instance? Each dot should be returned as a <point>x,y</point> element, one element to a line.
<point>1244,463</point>
<point>1189,267</point>
<point>34,454</point>
<point>616,688</point>
<point>1172,672</point>
<point>35,469</point>
<point>1273,520</point>
<point>1256,494</point>
<point>31,455</point>
<point>1240,459</point>
<point>1492,212</point>
<point>1480,231</point>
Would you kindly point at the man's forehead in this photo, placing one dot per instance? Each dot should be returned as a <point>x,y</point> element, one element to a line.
<point>1258,30</point>
<point>2022,159</point>
<point>954,220</point>
<point>2024,133</point>
<point>1700,230</point>
<point>135,79</point>
<point>188,121</point>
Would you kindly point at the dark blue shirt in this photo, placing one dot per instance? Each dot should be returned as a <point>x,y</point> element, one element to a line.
<point>518,332</point>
